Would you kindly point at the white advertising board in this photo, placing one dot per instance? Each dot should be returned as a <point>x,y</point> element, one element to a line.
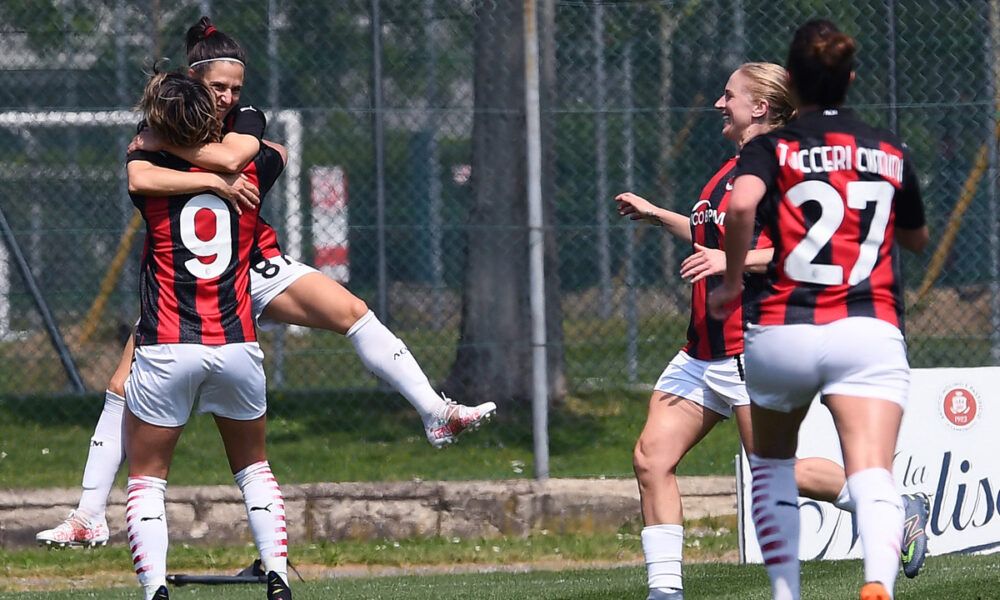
<point>948,448</point>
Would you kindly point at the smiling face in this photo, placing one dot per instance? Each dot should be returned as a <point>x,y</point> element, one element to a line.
<point>739,109</point>
<point>225,79</point>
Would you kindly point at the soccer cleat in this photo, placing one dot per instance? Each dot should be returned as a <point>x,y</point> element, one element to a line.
<point>457,418</point>
<point>161,593</point>
<point>277,589</point>
<point>914,549</point>
<point>76,530</point>
<point>875,591</point>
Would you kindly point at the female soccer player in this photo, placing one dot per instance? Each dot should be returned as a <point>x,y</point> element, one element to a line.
<point>196,340</point>
<point>833,194</point>
<point>704,384</point>
<point>283,289</point>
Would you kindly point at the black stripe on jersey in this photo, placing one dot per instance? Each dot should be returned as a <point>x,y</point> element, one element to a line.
<point>149,293</point>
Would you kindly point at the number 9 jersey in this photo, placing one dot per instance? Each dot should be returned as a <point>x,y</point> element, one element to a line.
<point>194,279</point>
<point>837,189</point>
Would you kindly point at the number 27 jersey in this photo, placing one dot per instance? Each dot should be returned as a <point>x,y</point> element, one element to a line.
<point>837,189</point>
<point>194,281</point>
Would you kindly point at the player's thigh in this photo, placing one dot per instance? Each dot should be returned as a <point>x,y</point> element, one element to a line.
<point>683,408</point>
<point>244,441</point>
<point>868,428</point>
<point>237,387</point>
<point>317,301</point>
<point>269,279</point>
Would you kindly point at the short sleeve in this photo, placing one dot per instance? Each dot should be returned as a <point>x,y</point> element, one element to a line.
<point>269,167</point>
<point>247,120</point>
<point>757,158</point>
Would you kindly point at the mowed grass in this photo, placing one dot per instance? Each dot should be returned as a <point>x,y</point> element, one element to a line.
<point>358,436</point>
<point>953,577</point>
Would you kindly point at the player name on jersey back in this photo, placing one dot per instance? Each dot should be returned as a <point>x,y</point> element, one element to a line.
<point>827,159</point>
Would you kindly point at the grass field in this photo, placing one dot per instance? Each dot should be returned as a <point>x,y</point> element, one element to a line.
<point>315,437</point>
<point>951,577</point>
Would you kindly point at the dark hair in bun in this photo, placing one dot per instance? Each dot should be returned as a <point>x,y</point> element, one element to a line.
<point>820,61</point>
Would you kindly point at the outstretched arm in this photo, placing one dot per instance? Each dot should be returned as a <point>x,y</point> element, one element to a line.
<point>636,207</point>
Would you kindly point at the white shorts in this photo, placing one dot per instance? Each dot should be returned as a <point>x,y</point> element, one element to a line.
<point>787,365</point>
<point>269,278</point>
<point>715,384</point>
<point>227,380</point>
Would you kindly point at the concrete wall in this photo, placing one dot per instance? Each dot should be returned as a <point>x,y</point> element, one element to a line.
<point>374,511</point>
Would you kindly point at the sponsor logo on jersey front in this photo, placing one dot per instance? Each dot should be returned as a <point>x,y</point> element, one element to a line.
<point>703,213</point>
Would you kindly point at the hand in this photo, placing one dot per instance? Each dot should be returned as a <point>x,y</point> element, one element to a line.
<point>723,300</point>
<point>636,207</point>
<point>238,190</point>
<point>146,140</point>
<point>704,262</point>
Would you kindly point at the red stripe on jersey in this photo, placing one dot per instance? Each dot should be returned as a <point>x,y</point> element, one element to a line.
<point>773,304</point>
<point>161,263</point>
<point>207,294</point>
<point>845,245</point>
<point>266,241</point>
<point>708,338</point>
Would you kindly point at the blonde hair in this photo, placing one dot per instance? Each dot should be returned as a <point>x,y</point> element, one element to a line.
<point>768,81</point>
<point>181,110</point>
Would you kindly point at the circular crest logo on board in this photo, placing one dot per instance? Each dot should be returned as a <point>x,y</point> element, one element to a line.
<point>960,406</point>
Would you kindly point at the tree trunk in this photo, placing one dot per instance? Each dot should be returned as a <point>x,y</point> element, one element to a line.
<point>493,361</point>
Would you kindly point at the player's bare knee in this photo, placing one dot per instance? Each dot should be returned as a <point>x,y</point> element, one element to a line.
<point>357,308</point>
<point>117,385</point>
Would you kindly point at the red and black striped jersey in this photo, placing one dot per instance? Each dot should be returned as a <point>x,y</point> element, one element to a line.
<point>708,338</point>
<point>837,189</point>
<point>194,278</point>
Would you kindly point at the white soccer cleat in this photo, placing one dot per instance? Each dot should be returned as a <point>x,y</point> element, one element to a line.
<point>457,419</point>
<point>76,530</point>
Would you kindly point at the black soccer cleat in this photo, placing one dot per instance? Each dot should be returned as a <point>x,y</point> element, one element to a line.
<point>277,589</point>
<point>914,547</point>
<point>161,593</point>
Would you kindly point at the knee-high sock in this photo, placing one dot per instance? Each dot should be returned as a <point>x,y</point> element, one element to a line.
<point>107,451</point>
<point>266,513</point>
<point>880,523</point>
<point>663,547</point>
<point>775,511</point>
<point>388,357</point>
<point>146,522</point>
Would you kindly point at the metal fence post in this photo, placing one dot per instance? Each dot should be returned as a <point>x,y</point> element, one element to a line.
<point>536,243</point>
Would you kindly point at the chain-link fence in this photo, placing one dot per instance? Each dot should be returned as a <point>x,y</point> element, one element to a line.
<point>381,124</point>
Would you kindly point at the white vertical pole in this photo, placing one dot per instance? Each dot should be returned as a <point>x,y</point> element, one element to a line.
<point>536,243</point>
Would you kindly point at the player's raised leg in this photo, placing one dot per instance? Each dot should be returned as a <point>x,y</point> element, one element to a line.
<point>314,300</point>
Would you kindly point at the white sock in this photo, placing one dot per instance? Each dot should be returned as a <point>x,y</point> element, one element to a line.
<point>775,511</point>
<point>663,546</point>
<point>844,500</point>
<point>266,513</point>
<point>880,523</point>
<point>388,357</point>
<point>107,451</point>
<point>146,520</point>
